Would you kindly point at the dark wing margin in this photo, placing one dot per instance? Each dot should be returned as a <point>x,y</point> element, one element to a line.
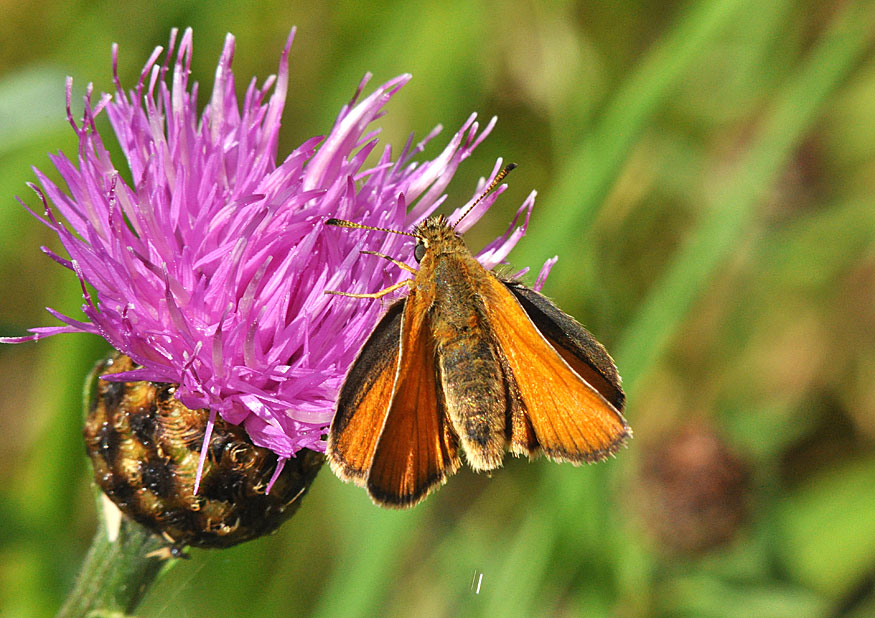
<point>573,342</point>
<point>363,401</point>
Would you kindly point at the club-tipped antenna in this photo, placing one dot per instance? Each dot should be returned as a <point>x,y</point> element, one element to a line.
<point>362,226</point>
<point>495,181</point>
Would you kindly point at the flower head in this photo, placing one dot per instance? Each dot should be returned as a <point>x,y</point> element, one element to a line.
<point>210,265</point>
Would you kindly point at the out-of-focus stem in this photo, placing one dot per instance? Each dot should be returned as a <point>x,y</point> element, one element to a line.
<point>116,574</point>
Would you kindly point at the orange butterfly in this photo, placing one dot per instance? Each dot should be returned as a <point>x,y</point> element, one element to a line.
<point>473,363</point>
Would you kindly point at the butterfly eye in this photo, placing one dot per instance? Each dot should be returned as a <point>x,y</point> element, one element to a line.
<point>419,252</point>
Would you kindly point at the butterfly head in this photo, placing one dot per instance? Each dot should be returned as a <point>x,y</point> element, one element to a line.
<point>436,236</point>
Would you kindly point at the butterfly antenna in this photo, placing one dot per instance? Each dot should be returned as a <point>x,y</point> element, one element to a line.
<point>498,178</point>
<point>361,226</point>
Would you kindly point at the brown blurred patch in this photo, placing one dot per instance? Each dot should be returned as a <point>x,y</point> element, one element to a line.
<point>693,490</point>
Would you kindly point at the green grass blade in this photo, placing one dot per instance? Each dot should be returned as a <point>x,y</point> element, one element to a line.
<point>590,171</point>
<point>795,109</point>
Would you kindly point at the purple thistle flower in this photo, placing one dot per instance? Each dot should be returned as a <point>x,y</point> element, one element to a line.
<point>210,268</point>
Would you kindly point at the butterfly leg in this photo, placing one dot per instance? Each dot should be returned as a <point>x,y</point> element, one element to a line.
<point>409,269</point>
<point>379,294</point>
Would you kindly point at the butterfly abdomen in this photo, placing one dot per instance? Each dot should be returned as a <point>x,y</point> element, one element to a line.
<point>469,372</point>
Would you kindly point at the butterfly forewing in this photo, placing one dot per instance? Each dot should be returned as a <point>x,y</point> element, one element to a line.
<point>573,342</point>
<point>364,400</point>
<point>571,420</point>
<point>416,450</point>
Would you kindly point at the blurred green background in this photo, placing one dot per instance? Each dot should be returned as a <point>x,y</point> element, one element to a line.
<point>706,173</point>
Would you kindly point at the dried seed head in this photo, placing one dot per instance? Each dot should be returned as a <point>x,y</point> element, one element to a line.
<point>145,445</point>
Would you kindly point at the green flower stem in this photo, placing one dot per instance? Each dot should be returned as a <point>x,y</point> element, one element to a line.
<point>116,574</point>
